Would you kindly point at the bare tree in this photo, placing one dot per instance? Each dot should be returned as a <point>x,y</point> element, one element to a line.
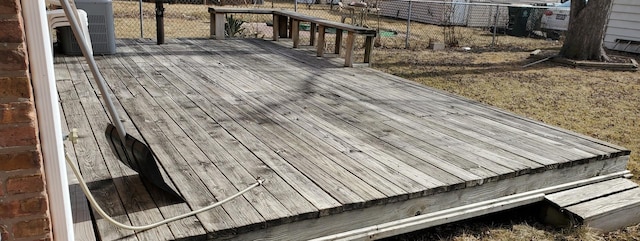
<point>585,36</point>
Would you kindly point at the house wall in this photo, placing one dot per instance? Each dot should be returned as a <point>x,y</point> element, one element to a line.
<point>623,31</point>
<point>24,212</point>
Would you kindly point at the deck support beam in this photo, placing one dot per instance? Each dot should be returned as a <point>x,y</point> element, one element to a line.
<point>555,180</point>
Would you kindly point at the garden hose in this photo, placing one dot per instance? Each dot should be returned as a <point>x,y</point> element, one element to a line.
<point>103,214</point>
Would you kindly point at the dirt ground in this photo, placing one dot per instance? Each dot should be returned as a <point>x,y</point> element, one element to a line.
<point>604,104</point>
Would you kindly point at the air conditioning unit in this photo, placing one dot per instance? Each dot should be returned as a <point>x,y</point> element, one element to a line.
<point>101,29</point>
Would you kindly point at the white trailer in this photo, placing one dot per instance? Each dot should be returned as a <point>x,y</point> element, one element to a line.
<point>623,29</point>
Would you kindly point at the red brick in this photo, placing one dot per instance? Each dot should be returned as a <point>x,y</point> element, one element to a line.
<point>24,207</point>
<point>9,6</point>
<point>37,205</point>
<point>13,59</point>
<point>18,135</point>
<point>9,209</point>
<point>1,189</point>
<point>16,87</point>
<point>11,30</point>
<point>17,161</point>
<point>28,184</point>
<point>31,228</point>
<point>17,112</point>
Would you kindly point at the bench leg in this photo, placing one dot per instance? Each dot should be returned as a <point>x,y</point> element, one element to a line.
<point>338,41</point>
<point>282,26</point>
<point>348,55</point>
<point>320,47</point>
<point>276,27</point>
<point>368,47</point>
<point>312,34</point>
<point>295,32</point>
<point>290,26</point>
<point>212,25</point>
<point>219,26</point>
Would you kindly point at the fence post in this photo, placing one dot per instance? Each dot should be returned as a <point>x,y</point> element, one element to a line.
<point>495,26</point>
<point>141,26</point>
<point>406,38</point>
<point>160,21</point>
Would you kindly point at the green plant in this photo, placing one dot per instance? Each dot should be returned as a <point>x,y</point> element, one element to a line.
<point>233,27</point>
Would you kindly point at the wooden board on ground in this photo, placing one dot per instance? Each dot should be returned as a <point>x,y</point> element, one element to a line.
<point>604,206</point>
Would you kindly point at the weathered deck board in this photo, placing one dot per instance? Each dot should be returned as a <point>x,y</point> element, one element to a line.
<point>90,161</point>
<point>187,227</point>
<point>266,204</point>
<point>178,154</point>
<point>333,144</point>
<point>81,212</point>
<point>372,79</point>
<point>308,190</point>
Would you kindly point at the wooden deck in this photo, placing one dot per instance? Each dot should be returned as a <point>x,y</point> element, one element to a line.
<point>339,148</point>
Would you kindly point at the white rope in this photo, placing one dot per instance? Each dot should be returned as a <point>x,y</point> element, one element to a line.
<point>102,213</point>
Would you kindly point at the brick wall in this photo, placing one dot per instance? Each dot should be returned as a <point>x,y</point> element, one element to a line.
<point>24,212</point>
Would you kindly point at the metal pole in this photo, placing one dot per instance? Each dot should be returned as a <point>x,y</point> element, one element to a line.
<point>97,76</point>
<point>141,19</point>
<point>295,5</point>
<point>495,26</point>
<point>406,38</point>
<point>160,21</point>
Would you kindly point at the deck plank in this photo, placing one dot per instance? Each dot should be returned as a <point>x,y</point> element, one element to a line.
<point>92,163</point>
<point>187,227</point>
<point>266,88</point>
<point>270,172</point>
<point>250,80</point>
<point>377,79</point>
<point>266,204</point>
<point>80,210</point>
<point>491,174</point>
<point>242,110</point>
<point>493,113</point>
<point>181,152</point>
<point>590,192</point>
<point>428,105</point>
<point>390,189</point>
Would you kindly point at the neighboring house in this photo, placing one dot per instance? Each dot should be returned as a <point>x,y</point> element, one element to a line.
<point>623,30</point>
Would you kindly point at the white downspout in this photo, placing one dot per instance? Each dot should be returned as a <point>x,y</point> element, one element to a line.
<point>49,122</point>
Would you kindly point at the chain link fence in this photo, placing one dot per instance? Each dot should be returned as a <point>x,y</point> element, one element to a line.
<point>413,24</point>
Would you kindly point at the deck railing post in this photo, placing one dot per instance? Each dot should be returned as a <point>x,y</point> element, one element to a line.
<point>141,20</point>
<point>495,26</point>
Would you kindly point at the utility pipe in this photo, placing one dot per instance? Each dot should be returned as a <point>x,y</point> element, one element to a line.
<point>459,213</point>
<point>49,121</point>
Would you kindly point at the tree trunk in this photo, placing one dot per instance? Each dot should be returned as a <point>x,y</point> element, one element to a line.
<point>585,36</point>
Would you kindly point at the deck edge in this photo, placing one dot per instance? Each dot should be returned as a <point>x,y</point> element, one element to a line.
<point>354,219</point>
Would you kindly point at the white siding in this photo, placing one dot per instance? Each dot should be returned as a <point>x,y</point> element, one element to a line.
<point>623,30</point>
<point>484,15</point>
<point>438,13</point>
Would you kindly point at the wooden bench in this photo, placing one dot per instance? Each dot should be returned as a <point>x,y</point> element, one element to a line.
<point>282,17</point>
<point>217,18</point>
